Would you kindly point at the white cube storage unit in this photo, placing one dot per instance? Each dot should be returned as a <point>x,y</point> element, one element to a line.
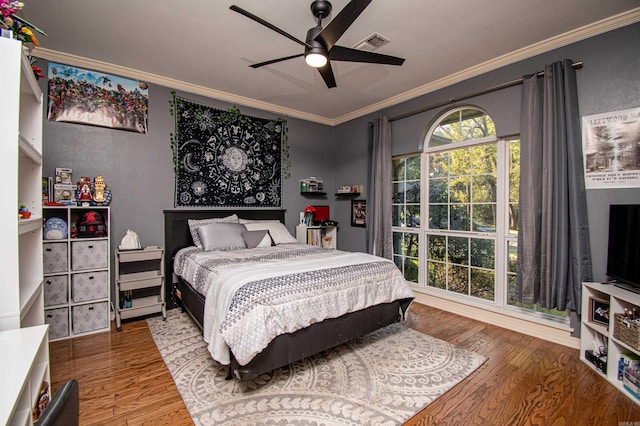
<point>77,275</point>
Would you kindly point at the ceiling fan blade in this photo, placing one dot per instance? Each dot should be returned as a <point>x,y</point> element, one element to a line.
<point>267,24</point>
<point>327,75</point>
<point>273,61</point>
<point>338,25</point>
<point>339,53</point>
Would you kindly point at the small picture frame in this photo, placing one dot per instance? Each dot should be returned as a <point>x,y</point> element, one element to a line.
<point>359,213</point>
<point>599,311</point>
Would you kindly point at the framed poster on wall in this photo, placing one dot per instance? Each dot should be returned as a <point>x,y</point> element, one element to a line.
<point>358,213</point>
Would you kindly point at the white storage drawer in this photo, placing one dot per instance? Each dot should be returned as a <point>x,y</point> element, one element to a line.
<point>56,290</point>
<point>92,254</point>
<point>58,320</point>
<point>54,256</point>
<point>89,317</point>
<point>89,286</point>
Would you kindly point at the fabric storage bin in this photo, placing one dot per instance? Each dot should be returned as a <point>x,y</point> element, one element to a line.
<point>89,286</point>
<point>54,256</point>
<point>89,255</point>
<point>56,290</point>
<point>58,320</point>
<point>89,317</point>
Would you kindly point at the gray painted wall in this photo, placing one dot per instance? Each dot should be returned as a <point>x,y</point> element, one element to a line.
<point>138,168</point>
<point>609,81</point>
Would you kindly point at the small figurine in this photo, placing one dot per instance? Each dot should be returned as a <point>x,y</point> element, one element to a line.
<point>99,186</point>
<point>84,190</point>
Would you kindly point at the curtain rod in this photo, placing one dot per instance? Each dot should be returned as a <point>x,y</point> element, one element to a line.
<point>576,65</point>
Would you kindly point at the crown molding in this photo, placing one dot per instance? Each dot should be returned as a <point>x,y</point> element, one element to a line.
<point>579,34</point>
<point>83,62</point>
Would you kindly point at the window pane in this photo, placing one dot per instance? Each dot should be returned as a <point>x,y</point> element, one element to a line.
<point>398,166</point>
<point>411,270</point>
<point>460,162</point>
<point>513,218</point>
<point>484,159</point>
<point>413,168</point>
<point>413,192</point>
<point>460,190</point>
<point>458,279</point>
<point>484,189</point>
<point>484,217</point>
<point>514,156</point>
<point>458,250</point>
<point>398,261</point>
<point>397,215</point>
<point>438,216</point>
<point>411,244</point>
<point>438,191</point>
<point>397,243</point>
<point>514,187</point>
<point>482,284</point>
<point>436,247</point>
<point>397,192</point>
<point>412,216</point>
<point>438,164</point>
<point>483,253</point>
<point>459,217</point>
<point>512,256</point>
<point>436,275</point>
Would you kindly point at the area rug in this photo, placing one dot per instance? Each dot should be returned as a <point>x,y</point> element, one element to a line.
<point>383,378</point>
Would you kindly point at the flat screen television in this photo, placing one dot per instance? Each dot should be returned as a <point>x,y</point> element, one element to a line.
<point>623,253</point>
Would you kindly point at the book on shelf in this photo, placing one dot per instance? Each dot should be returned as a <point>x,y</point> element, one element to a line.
<point>629,365</point>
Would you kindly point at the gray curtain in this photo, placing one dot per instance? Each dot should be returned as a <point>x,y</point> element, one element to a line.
<point>379,234</point>
<point>554,256</point>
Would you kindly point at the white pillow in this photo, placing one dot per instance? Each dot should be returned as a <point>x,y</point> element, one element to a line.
<point>279,233</point>
<point>241,220</point>
<point>194,224</point>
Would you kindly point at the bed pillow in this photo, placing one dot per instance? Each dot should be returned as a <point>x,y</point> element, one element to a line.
<point>222,236</point>
<point>194,224</point>
<point>255,239</point>
<point>279,233</point>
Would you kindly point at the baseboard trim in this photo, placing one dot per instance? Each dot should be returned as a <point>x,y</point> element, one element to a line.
<point>530,328</point>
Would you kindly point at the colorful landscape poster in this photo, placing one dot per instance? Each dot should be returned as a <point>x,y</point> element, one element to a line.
<point>88,97</point>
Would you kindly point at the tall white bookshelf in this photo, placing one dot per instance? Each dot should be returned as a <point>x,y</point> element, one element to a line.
<point>21,304</point>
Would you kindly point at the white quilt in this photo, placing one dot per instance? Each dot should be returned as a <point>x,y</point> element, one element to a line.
<point>282,289</point>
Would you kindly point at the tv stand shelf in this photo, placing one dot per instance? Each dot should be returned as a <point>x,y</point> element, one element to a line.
<point>597,334</point>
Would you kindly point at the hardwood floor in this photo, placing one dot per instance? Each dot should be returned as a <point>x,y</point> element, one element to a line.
<point>525,381</point>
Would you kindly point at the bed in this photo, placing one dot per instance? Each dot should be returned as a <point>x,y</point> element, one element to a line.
<point>278,348</point>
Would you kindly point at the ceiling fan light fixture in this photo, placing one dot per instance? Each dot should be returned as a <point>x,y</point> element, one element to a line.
<point>315,59</point>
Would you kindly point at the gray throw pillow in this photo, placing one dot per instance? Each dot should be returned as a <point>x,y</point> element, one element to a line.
<point>222,236</point>
<point>255,239</point>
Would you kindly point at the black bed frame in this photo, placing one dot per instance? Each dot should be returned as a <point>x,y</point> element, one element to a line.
<point>286,348</point>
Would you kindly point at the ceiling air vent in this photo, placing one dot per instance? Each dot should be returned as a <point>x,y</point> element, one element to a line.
<point>371,43</point>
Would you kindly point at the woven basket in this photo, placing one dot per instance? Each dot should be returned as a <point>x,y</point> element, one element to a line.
<point>626,331</point>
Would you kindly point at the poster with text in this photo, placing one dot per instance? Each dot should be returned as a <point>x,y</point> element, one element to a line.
<point>611,147</point>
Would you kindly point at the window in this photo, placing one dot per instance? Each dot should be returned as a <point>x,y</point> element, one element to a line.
<point>406,214</point>
<point>470,234</point>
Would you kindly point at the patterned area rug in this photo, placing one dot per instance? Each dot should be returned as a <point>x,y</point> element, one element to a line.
<point>383,378</point>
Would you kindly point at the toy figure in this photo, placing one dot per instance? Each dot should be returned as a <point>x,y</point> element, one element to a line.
<point>99,186</point>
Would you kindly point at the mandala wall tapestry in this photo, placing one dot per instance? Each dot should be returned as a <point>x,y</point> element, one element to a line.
<point>225,158</point>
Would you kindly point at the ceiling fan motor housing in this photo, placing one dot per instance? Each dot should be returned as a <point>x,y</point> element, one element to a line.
<point>321,9</point>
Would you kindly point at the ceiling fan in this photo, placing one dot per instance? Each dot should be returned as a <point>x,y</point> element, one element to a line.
<point>320,46</point>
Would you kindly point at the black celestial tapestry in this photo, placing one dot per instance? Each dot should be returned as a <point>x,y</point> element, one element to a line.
<point>225,158</point>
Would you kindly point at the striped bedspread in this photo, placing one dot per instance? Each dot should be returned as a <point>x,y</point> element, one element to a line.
<point>254,295</point>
